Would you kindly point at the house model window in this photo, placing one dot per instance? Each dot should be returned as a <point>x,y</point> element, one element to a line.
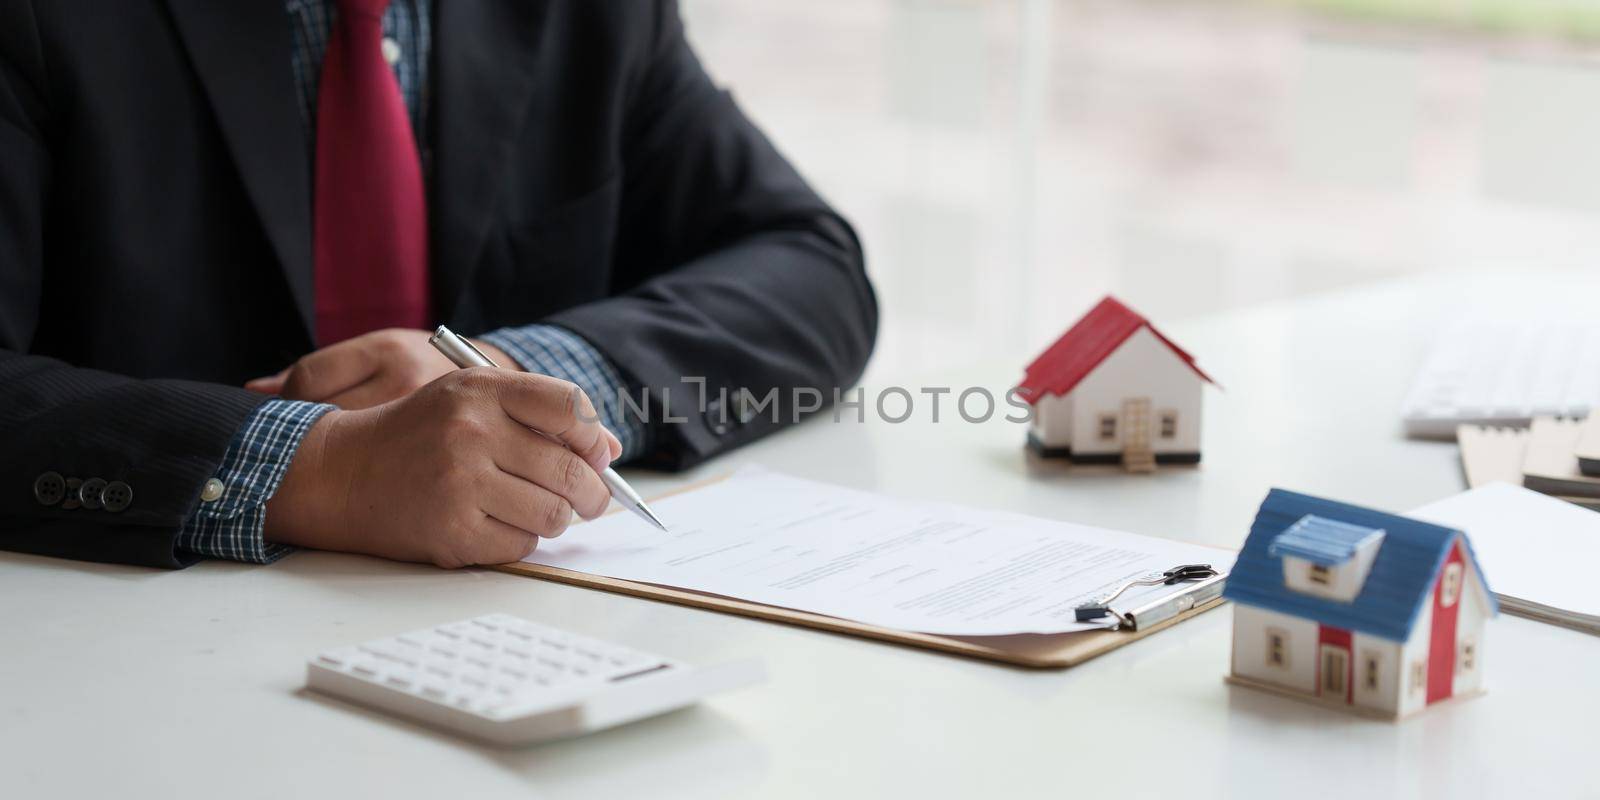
<point>1319,574</point>
<point>1277,648</point>
<point>1450,584</point>
<point>1108,426</point>
<point>1468,654</point>
<point>1169,424</point>
<point>1369,673</point>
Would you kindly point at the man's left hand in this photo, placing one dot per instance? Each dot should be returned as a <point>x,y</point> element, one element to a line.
<point>368,370</point>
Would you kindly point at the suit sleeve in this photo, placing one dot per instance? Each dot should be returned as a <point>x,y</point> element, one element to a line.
<point>734,271</point>
<point>160,438</point>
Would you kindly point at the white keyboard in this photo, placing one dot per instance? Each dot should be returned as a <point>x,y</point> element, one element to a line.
<point>1505,373</point>
<point>507,680</point>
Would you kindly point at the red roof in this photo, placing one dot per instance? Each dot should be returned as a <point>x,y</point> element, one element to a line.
<point>1101,331</point>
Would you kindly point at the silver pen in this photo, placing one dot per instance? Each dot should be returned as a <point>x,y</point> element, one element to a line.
<point>463,354</point>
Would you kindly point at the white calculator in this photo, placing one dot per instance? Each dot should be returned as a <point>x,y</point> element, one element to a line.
<point>507,680</point>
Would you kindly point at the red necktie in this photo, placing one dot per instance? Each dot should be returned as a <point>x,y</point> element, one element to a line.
<point>371,235</point>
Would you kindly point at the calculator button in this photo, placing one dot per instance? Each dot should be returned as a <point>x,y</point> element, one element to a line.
<point>629,660</point>
<point>342,654</point>
<point>392,652</point>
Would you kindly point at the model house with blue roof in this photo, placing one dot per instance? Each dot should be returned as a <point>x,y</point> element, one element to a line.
<point>1356,608</point>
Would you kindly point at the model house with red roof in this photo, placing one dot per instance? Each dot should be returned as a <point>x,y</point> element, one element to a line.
<point>1113,389</point>
<point>1357,609</point>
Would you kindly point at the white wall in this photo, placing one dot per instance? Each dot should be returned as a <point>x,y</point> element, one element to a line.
<point>1052,420</point>
<point>1250,626</point>
<point>1385,696</point>
<point>1413,697</point>
<point>1141,367</point>
<point>1470,624</point>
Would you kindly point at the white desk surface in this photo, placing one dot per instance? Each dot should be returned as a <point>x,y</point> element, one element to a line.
<point>117,681</point>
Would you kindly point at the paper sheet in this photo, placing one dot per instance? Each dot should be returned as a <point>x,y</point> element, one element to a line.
<point>1531,547</point>
<point>925,567</point>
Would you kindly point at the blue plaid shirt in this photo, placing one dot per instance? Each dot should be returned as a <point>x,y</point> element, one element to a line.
<point>230,526</point>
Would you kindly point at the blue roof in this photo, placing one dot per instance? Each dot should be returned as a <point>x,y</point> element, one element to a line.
<point>1391,599</point>
<point>1320,540</point>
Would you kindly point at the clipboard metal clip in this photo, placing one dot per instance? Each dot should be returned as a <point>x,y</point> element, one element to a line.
<point>1208,585</point>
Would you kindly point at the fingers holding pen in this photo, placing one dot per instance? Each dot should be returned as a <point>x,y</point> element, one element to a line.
<point>547,464</point>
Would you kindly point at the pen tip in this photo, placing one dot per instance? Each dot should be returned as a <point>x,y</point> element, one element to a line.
<point>645,511</point>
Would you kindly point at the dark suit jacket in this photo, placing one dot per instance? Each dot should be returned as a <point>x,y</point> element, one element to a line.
<point>155,233</point>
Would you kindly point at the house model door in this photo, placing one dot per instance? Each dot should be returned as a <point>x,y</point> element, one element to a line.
<point>1136,453</point>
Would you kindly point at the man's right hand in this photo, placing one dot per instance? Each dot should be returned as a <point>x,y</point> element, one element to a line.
<point>452,474</point>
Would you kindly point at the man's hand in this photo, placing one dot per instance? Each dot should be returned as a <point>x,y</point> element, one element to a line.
<point>368,370</point>
<point>452,474</point>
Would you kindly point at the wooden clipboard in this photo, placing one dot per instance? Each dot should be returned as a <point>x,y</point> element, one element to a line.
<point>1027,650</point>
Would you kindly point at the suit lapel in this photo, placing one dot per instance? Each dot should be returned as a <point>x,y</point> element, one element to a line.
<point>241,50</point>
<point>484,64</point>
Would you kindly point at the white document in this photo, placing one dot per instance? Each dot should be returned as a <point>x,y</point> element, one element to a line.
<point>926,567</point>
<point>1532,548</point>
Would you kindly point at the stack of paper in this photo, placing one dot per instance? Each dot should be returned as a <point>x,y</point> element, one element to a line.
<point>1589,446</point>
<point>923,567</point>
<point>1551,464</point>
<point>1538,553</point>
<point>1544,457</point>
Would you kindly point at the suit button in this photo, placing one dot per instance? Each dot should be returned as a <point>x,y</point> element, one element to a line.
<point>117,496</point>
<point>72,502</point>
<point>89,493</point>
<point>49,488</point>
<point>717,417</point>
<point>742,408</point>
<point>211,491</point>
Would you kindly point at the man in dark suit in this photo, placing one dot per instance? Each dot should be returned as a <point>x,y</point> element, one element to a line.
<point>197,196</point>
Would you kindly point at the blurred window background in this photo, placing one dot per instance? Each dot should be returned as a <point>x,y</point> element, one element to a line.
<point>1008,161</point>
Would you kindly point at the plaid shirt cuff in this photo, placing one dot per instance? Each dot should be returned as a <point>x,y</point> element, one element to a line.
<point>560,353</point>
<point>231,526</point>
